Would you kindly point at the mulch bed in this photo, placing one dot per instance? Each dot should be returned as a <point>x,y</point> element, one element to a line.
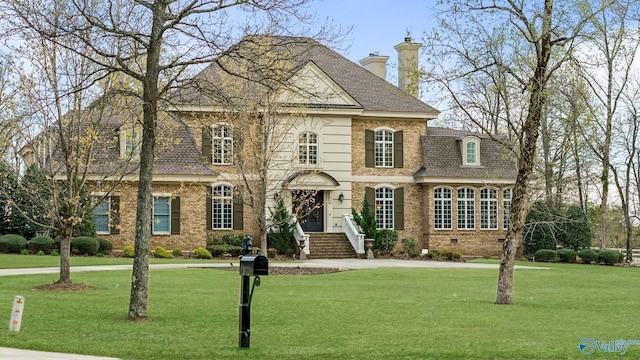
<point>64,287</point>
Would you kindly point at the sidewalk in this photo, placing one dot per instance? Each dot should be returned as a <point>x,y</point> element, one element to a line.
<point>18,354</point>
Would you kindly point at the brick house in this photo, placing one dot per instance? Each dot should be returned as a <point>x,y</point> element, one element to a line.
<point>355,135</point>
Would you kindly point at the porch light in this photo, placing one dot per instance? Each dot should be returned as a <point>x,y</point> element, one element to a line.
<point>341,198</point>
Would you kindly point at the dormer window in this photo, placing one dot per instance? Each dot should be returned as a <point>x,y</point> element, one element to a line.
<point>130,142</point>
<point>470,147</point>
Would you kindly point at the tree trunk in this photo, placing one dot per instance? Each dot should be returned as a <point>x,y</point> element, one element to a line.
<point>65,253</point>
<point>140,275</point>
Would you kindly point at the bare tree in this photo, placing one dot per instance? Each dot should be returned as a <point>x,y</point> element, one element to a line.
<point>606,65</point>
<point>517,46</point>
<point>154,43</point>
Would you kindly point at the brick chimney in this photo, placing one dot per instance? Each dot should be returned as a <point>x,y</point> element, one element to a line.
<point>376,64</point>
<point>408,73</point>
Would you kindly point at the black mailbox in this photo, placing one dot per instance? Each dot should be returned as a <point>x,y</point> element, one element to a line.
<point>254,264</point>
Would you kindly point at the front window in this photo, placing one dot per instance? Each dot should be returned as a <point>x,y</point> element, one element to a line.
<point>101,216</point>
<point>489,209</point>
<point>161,215</point>
<point>506,206</point>
<point>442,208</point>
<point>384,208</point>
<point>384,148</point>
<point>308,148</point>
<point>466,208</point>
<point>222,145</point>
<point>222,207</point>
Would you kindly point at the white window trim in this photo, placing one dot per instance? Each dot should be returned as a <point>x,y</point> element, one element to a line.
<point>232,205</point>
<point>307,146</point>
<point>450,199</point>
<point>158,195</point>
<point>489,201</point>
<point>375,142</point>
<point>505,213</point>
<point>108,200</point>
<point>467,201</point>
<point>384,217</point>
<point>463,148</point>
<point>228,157</point>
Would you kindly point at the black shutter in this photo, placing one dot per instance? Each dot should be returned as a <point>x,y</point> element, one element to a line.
<point>115,215</point>
<point>398,208</point>
<point>369,148</point>
<point>206,144</point>
<point>175,216</point>
<point>238,210</point>
<point>398,160</point>
<point>370,195</point>
<point>208,208</point>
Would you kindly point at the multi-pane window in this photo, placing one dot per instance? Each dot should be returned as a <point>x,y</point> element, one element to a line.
<point>442,208</point>
<point>472,153</point>
<point>222,207</point>
<point>101,216</point>
<point>506,206</point>
<point>384,208</point>
<point>384,148</point>
<point>488,209</point>
<point>161,215</point>
<point>466,208</point>
<point>308,148</point>
<point>130,138</point>
<point>221,145</point>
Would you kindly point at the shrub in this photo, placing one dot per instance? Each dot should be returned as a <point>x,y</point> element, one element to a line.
<point>100,255</point>
<point>567,255</point>
<point>385,241</point>
<point>588,255</point>
<point>41,243</point>
<point>105,246</point>
<point>456,255</point>
<point>128,251</point>
<point>177,252</point>
<point>219,250</point>
<point>202,253</point>
<point>13,243</point>
<point>539,230</point>
<point>271,253</point>
<point>433,254</point>
<point>55,253</point>
<point>162,253</point>
<point>40,253</point>
<point>234,239</point>
<point>410,247</point>
<point>545,255</point>
<point>609,257</point>
<point>366,219</point>
<point>85,245</point>
<point>577,231</point>
<point>24,252</point>
<point>445,253</point>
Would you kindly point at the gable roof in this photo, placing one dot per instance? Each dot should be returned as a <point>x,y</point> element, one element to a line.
<point>368,90</point>
<point>442,158</point>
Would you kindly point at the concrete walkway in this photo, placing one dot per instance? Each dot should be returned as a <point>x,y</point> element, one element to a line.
<point>19,354</point>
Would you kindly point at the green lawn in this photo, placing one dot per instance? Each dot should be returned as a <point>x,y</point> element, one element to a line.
<point>357,314</point>
<point>33,261</point>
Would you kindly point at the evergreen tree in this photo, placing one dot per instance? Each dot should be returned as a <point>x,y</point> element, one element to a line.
<point>540,229</point>
<point>28,215</point>
<point>577,233</point>
<point>8,185</point>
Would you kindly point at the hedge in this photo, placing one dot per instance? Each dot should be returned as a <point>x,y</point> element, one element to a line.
<point>588,256</point>
<point>85,245</point>
<point>41,243</point>
<point>545,255</point>
<point>12,243</point>
<point>219,250</point>
<point>610,257</point>
<point>567,255</point>
<point>105,246</point>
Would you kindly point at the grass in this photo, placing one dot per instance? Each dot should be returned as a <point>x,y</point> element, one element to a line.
<point>34,261</point>
<point>373,314</point>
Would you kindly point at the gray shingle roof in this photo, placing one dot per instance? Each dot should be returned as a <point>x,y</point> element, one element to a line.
<point>370,91</point>
<point>443,158</point>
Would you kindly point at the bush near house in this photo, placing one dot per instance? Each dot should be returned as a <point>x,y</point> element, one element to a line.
<point>545,255</point>
<point>128,251</point>
<point>385,241</point>
<point>105,246</point>
<point>162,253</point>
<point>84,245</point>
<point>41,243</point>
<point>409,245</point>
<point>230,244</point>
<point>567,255</point>
<point>202,253</point>
<point>610,257</point>
<point>12,243</point>
<point>176,252</point>
<point>588,256</point>
<point>221,250</point>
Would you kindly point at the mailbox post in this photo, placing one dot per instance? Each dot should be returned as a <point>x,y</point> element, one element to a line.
<point>250,265</point>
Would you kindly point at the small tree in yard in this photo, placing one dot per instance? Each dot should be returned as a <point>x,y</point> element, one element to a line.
<point>366,219</point>
<point>577,233</point>
<point>540,229</point>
